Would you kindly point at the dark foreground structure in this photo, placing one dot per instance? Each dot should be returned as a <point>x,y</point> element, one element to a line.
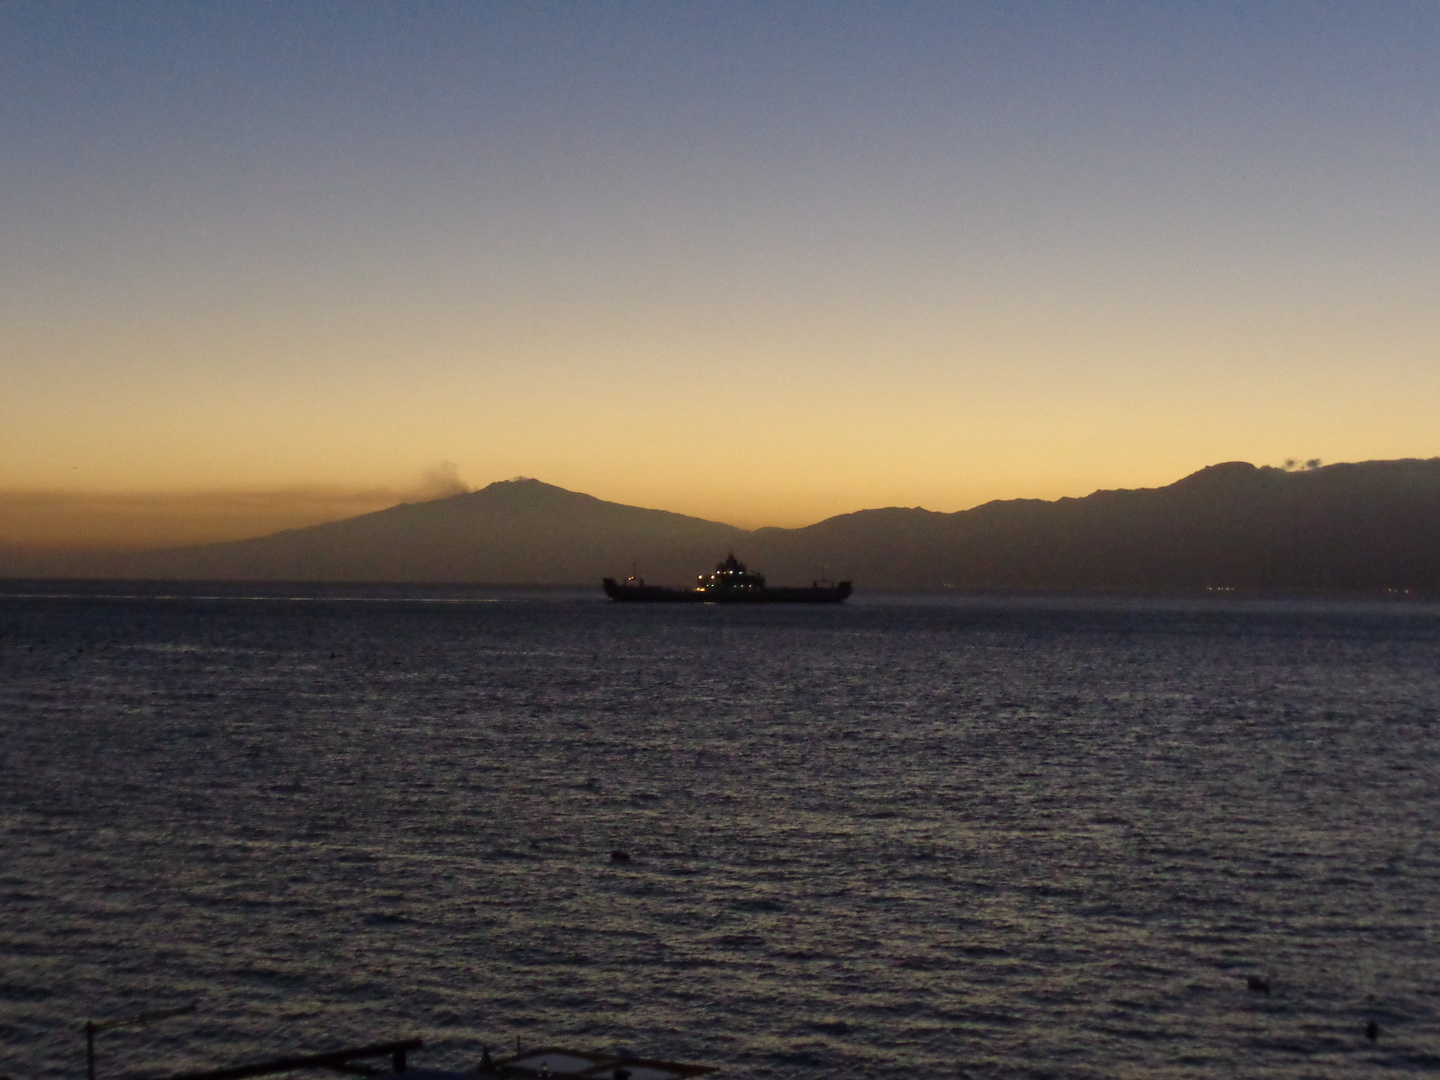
<point>731,583</point>
<point>545,1061</point>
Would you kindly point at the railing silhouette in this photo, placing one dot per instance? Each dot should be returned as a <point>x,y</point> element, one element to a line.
<point>338,1060</point>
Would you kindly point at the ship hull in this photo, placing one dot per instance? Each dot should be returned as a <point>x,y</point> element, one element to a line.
<point>656,594</point>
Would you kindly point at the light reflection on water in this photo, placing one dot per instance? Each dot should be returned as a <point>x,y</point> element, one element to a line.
<point>980,836</point>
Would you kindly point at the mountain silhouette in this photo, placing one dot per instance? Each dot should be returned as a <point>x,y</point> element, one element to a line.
<point>511,532</point>
<point>1371,525</point>
<point>1364,526</point>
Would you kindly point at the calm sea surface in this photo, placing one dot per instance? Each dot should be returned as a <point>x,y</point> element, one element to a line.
<point>925,835</point>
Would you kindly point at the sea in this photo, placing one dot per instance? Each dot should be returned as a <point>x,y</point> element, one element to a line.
<point>914,835</point>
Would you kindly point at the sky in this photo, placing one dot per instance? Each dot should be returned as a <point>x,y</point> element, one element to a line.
<point>270,263</point>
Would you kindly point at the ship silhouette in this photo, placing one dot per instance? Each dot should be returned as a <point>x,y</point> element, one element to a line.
<point>731,583</point>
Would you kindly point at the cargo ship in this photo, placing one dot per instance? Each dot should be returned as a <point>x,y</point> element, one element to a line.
<point>731,583</point>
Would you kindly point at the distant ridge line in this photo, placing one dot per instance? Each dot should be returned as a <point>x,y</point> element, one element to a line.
<point>1364,526</point>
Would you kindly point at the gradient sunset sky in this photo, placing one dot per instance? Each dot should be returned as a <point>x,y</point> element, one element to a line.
<point>758,262</point>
